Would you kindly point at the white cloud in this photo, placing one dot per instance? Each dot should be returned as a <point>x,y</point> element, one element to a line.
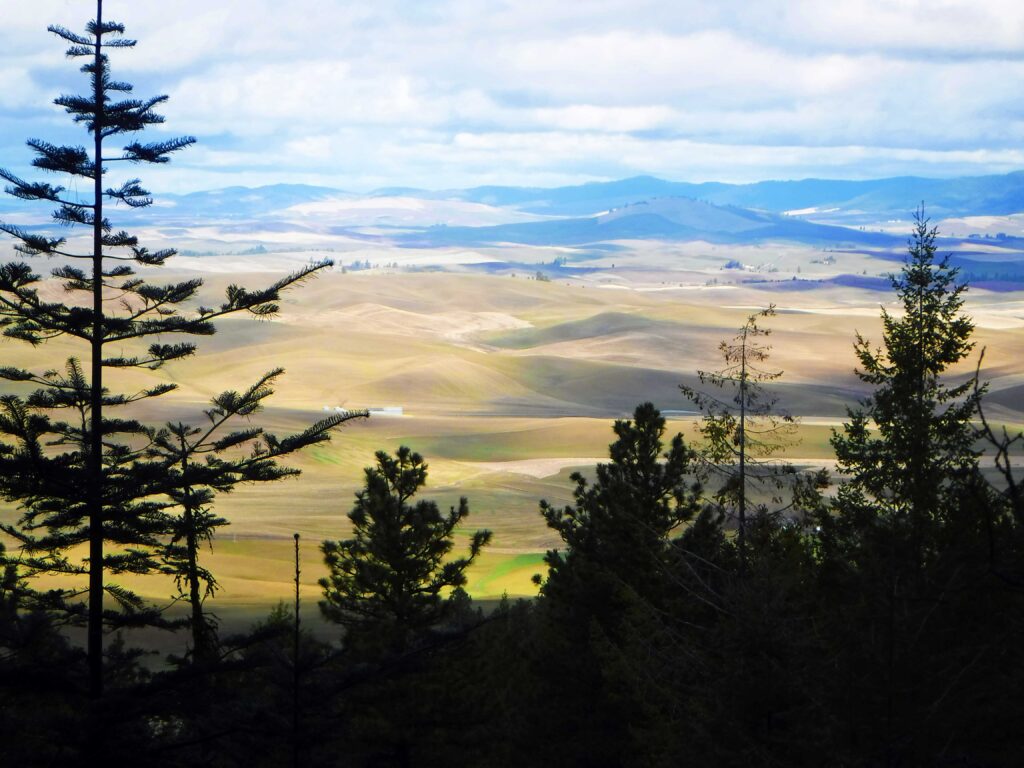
<point>985,28</point>
<point>472,91</point>
<point>590,117</point>
<point>20,90</point>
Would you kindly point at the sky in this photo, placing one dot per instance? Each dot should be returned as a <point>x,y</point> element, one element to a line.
<point>455,93</point>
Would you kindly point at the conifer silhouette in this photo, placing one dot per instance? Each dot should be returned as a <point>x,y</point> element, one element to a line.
<point>744,431</point>
<point>72,466</point>
<point>386,583</point>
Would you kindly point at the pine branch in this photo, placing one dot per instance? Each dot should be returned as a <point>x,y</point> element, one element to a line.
<point>106,28</point>
<point>69,36</point>
<point>155,259</point>
<point>132,194</point>
<point>120,240</point>
<point>62,159</point>
<point>153,152</point>
<point>26,190</point>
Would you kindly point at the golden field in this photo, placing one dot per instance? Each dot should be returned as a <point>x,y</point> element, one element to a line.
<point>506,385</point>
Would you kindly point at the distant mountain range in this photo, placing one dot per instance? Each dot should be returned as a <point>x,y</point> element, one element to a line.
<point>812,211</point>
<point>967,196</point>
<point>895,197</point>
<point>666,218</point>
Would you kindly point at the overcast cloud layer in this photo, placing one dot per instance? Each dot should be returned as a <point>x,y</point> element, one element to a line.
<point>457,93</point>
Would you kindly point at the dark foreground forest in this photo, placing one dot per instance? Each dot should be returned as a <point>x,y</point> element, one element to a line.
<point>709,605</point>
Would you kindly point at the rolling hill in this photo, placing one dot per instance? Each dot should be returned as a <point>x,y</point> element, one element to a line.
<point>671,219</point>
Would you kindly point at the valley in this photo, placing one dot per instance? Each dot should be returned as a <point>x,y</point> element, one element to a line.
<point>510,358</point>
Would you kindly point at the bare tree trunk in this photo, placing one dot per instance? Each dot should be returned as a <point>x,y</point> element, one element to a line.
<point>200,636</point>
<point>743,457</point>
<point>295,664</point>
<point>94,467</point>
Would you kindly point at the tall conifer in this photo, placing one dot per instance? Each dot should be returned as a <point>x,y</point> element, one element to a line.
<point>744,429</point>
<point>89,488</point>
<point>906,548</point>
<point>913,438</point>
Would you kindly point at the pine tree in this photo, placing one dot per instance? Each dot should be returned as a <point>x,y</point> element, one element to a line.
<point>603,608</point>
<point>94,490</point>
<point>913,547</point>
<point>744,431</point>
<point>922,441</point>
<point>622,521</point>
<point>199,462</point>
<point>386,583</point>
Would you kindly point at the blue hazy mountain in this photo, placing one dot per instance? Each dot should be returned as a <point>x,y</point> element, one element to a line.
<point>892,197</point>
<point>669,218</point>
<point>976,195</point>
<point>245,202</point>
<point>840,215</point>
<point>815,212</point>
<point>640,207</point>
<point>206,205</point>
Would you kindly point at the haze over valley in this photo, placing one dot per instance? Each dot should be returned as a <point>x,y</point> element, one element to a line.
<point>511,325</point>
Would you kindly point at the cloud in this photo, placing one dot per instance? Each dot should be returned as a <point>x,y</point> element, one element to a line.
<point>459,92</point>
<point>20,90</point>
<point>909,28</point>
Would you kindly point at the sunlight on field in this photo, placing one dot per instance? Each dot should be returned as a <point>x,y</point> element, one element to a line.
<point>505,394</point>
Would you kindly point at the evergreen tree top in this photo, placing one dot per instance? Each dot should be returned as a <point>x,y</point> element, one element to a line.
<point>914,435</point>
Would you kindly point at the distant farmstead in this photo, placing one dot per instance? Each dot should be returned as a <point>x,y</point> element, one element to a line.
<point>387,411</point>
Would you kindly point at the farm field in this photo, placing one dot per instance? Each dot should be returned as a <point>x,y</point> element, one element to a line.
<point>506,385</point>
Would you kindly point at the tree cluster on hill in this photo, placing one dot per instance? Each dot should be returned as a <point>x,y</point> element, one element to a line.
<point>689,617</point>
